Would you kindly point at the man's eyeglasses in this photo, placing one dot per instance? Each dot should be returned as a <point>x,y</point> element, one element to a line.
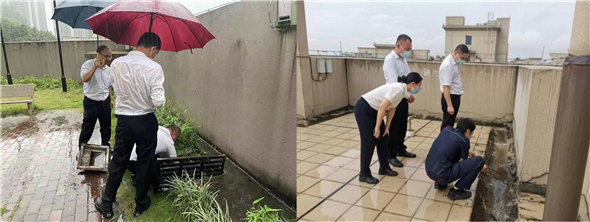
<point>108,56</point>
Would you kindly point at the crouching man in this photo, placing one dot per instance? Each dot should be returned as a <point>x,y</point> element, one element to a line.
<point>443,165</point>
<point>166,138</point>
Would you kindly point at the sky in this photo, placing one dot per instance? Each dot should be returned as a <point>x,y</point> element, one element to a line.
<point>533,25</point>
<point>195,6</point>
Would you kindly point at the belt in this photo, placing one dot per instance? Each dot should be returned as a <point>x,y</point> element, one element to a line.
<point>135,117</point>
<point>85,97</point>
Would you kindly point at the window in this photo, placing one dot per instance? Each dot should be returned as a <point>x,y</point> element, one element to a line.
<point>468,40</point>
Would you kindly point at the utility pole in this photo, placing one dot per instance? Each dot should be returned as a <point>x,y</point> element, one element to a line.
<point>61,62</point>
<point>8,76</point>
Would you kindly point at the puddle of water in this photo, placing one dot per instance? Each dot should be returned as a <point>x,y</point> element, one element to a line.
<point>497,190</point>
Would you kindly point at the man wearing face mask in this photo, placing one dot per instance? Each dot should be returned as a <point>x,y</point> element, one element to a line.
<point>395,65</point>
<point>138,82</point>
<point>443,165</point>
<point>96,75</point>
<point>450,84</point>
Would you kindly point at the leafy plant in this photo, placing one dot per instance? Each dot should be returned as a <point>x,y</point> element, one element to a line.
<point>196,201</point>
<point>188,142</point>
<point>263,213</point>
<point>47,82</point>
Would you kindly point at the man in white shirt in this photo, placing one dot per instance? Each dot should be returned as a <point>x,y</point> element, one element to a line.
<point>450,84</point>
<point>138,82</point>
<point>394,67</point>
<point>166,138</point>
<point>96,75</point>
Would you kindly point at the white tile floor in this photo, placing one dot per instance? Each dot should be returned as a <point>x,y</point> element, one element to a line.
<point>328,164</point>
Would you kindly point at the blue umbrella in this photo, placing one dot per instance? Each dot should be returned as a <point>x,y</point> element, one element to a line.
<point>74,13</point>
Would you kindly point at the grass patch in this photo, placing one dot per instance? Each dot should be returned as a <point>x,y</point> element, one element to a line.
<point>263,213</point>
<point>161,208</point>
<point>196,201</point>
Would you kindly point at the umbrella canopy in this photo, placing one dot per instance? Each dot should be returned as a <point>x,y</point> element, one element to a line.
<point>75,12</point>
<point>126,21</point>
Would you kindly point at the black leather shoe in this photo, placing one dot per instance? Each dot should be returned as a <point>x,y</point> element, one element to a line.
<point>388,172</point>
<point>440,186</point>
<point>459,194</point>
<point>395,162</point>
<point>106,211</point>
<point>140,209</point>
<point>407,154</point>
<point>369,179</point>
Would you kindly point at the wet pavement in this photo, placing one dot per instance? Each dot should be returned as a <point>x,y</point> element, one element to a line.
<point>328,188</point>
<point>40,181</point>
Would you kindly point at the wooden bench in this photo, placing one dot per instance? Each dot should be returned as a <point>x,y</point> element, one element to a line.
<point>14,91</point>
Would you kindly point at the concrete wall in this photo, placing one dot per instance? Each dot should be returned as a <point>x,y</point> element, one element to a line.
<point>535,111</point>
<point>41,58</point>
<point>241,89</point>
<point>489,89</point>
<point>502,40</point>
<point>329,90</point>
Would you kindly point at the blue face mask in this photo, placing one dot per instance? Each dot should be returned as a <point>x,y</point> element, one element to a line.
<point>406,54</point>
<point>460,62</point>
<point>415,91</point>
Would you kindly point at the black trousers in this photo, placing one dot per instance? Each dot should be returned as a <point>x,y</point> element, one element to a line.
<point>141,131</point>
<point>94,110</point>
<point>366,118</point>
<point>448,119</point>
<point>466,171</point>
<point>398,128</point>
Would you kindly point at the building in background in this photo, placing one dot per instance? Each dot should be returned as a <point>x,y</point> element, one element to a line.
<point>382,50</point>
<point>487,42</point>
<point>33,11</point>
<point>557,58</point>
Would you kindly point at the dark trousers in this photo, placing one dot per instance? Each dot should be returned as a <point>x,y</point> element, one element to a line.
<point>366,118</point>
<point>141,131</point>
<point>466,171</point>
<point>131,166</point>
<point>448,119</point>
<point>94,110</point>
<point>398,128</point>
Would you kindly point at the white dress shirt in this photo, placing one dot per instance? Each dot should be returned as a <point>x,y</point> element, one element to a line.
<point>395,66</point>
<point>165,144</point>
<point>139,84</point>
<point>394,92</point>
<point>448,74</point>
<point>97,88</point>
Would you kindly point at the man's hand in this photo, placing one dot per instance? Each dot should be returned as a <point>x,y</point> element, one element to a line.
<point>377,132</point>
<point>450,110</point>
<point>98,63</point>
<point>472,154</point>
<point>411,99</point>
<point>485,168</point>
<point>111,104</point>
<point>386,132</point>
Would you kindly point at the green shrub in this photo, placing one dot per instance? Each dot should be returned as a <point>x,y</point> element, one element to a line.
<point>196,201</point>
<point>189,141</point>
<point>263,214</point>
<point>47,82</point>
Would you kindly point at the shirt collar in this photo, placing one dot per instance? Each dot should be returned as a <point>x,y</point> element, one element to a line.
<point>453,62</point>
<point>137,53</point>
<point>395,56</point>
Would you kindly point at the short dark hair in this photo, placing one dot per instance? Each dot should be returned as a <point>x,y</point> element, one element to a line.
<point>462,49</point>
<point>403,38</point>
<point>410,78</point>
<point>174,129</point>
<point>148,40</point>
<point>465,124</point>
<point>101,48</point>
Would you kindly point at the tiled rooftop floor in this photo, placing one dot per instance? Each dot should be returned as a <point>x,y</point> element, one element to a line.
<point>327,177</point>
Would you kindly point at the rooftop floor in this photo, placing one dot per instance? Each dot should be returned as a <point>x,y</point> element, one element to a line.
<point>327,177</point>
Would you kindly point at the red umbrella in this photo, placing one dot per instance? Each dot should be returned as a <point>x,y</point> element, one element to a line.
<point>126,21</point>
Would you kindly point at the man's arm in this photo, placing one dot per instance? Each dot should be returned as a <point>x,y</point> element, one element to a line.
<point>88,72</point>
<point>157,94</point>
<point>389,71</point>
<point>446,81</point>
<point>465,151</point>
<point>171,150</point>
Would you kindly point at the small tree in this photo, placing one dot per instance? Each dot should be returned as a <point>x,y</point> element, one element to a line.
<point>14,31</point>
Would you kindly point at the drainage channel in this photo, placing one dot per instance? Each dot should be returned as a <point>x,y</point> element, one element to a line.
<point>497,191</point>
